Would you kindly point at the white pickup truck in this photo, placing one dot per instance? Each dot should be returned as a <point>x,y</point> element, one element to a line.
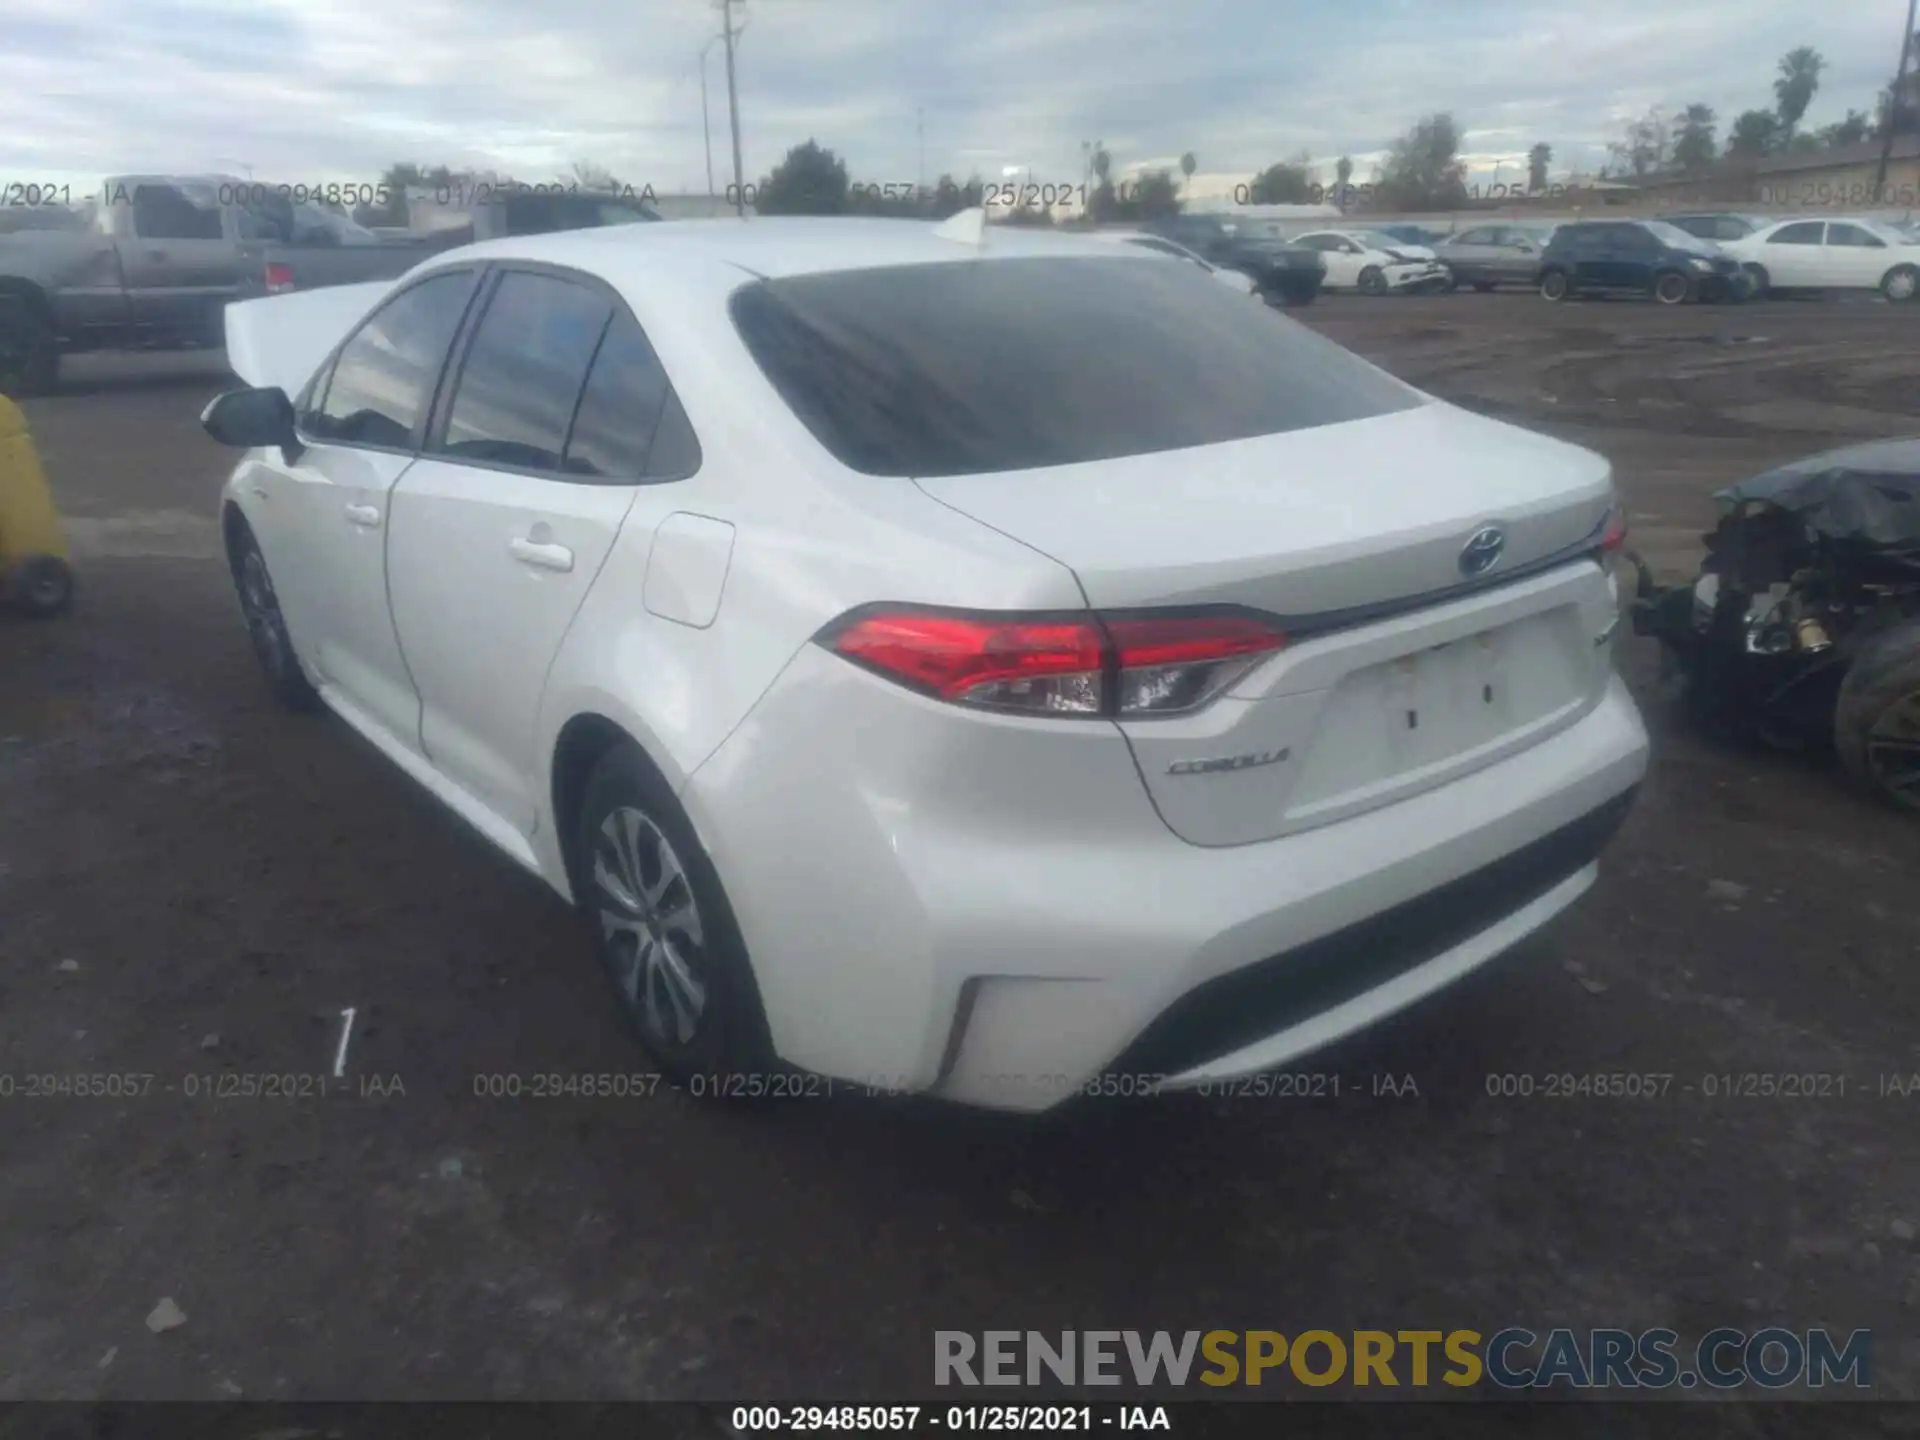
<point>154,260</point>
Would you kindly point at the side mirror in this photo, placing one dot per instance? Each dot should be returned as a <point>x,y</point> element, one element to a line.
<point>249,418</point>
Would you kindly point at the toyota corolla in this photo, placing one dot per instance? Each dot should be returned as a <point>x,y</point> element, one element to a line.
<point>961,659</point>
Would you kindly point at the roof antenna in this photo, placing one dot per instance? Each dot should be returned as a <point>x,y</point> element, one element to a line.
<point>969,227</point>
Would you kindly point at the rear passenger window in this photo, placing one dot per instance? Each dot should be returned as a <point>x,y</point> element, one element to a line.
<point>1843,234</point>
<point>524,372</point>
<point>621,407</point>
<point>385,374</point>
<point>1805,232</point>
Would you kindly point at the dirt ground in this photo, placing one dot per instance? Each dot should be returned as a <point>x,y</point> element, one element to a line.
<point>194,884</point>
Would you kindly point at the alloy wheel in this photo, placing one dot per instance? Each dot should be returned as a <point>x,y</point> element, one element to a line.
<point>652,927</point>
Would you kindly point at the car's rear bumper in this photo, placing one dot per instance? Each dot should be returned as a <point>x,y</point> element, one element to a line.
<point>990,909</point>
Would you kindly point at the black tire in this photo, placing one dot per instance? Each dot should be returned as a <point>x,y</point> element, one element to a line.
<point>40,587</point>
<point>1670,287</point>
<point>1757,274</point>
<point>1554,285</point>
<point>266,626</point>
<point>1373,281</point>
<point>29,347</point>
<point>1876,719</point>
<point>1448,285</point>
<point>678,924</point>
<point>1900,284</point>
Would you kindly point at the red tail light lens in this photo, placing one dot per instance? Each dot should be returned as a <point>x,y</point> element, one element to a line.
<point>1173,663</point>
<point>1093,665</point>
<point>279,279</point>
<point>1614,533</point>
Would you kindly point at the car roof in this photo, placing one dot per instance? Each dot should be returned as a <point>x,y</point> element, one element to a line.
<point>770,247</point>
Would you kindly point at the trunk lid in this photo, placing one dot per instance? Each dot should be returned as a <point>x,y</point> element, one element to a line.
<point>1303,523</point>
<point>1360,709</point>
<point>281,340</point>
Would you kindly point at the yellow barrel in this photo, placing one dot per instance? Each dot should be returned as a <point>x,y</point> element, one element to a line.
<point>29,525</point>
<point>34,570</point>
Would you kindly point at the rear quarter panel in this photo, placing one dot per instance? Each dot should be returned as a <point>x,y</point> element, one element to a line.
<point>811,541</point>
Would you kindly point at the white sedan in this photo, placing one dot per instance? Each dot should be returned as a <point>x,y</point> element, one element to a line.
<point>1140,239</point>
<point>1374,264</point>
<point>950,658</point>
<point>1845,254</point>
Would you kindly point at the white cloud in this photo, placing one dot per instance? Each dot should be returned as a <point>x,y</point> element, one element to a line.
<point>341,88</point>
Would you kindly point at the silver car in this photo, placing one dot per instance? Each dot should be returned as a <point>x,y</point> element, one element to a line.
<point>1490,255</point>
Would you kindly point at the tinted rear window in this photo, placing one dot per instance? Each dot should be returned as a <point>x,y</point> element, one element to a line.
<point>985,365</point>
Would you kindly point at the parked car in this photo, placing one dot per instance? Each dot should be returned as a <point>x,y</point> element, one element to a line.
<point>1489,255</point>
<point>1646,257</point>
<point>1357,260</point>
<point>978,668</point>
<point>440,220</point>
<point>1844,254</point>
<point>1719,226</point>
<point>1234,280</point>
<point>1408,235</point>
<point>153,260</point>
<point>1283,273</point>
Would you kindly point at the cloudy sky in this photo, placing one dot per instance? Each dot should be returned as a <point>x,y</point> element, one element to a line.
<point>304,90</point>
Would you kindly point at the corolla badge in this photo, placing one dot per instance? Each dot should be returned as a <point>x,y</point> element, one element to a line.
<point>1483,547</point>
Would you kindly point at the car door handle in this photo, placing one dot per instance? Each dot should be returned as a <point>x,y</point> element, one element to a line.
<point>547,557</point>
<point>368,515</point>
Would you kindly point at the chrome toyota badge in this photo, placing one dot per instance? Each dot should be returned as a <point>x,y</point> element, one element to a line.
<point>1481,550</point>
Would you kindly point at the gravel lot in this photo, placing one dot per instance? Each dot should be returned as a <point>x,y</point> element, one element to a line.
<point>193,883</point>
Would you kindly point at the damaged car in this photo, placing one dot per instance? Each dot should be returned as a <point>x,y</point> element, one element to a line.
<point>1802,628</point>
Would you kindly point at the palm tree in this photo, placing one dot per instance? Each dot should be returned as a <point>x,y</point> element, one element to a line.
<point>1538,158</point>
<point>1799,77</point>
<point>1187,166</point>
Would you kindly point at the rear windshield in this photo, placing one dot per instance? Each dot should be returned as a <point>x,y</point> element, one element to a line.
<point>981,365</point>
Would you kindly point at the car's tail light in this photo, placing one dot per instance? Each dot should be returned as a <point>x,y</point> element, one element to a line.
<point>1613,534</point>
<point>279,279</point>
<point>1116,665</point>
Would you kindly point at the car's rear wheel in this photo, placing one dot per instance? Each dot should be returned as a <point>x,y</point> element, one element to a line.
<point>1671,287</point>
<point>1900,283</point>
<point>1876,720</point>
<point>1553,285</point>
<point>667,936</point>
<point>40,586</point>
<point>1757,276</point>
<point>1373,281</point>
<point>266,626</point>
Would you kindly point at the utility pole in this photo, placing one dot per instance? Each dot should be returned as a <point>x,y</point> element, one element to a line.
<point>706,127</point>
<point>920,139</point>
<point>1893,108</point>
<point>730,34</point>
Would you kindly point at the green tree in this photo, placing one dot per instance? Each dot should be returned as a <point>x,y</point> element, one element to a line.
<point>589,175</point>
<point>1187,166</point>
<point>1538,158</point>
<point>1694,144</point>
<point>1904,116</point>
<point>1754,133</point>
<point>1154,195</point>
<point>1342,177</point>
<point>1850,131</point>
<point>947,199</point>
<point>810,181</point>
<point>1794,87</point>
<point>1647,145</point>
<point>1288,182</point>
<point>1423,169</point>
